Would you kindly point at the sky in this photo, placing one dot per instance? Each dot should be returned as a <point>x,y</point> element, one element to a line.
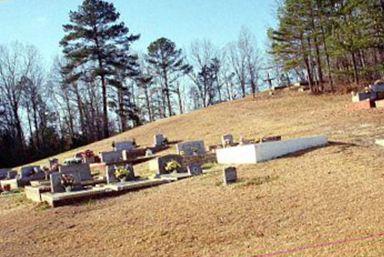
<point>39,22</point>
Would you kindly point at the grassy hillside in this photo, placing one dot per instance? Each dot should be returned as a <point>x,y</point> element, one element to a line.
<point>324,202</point>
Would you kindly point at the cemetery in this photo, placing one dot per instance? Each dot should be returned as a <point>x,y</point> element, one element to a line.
<point>371,97</point>
<point>76,180</point>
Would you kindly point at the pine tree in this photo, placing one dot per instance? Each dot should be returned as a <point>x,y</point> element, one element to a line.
<point>168,65</point>
<point>97,42</point>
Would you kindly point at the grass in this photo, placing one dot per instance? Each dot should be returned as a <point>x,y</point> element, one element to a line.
<point>323,202</point>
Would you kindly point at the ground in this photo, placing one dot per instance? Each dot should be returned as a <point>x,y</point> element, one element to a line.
<point>322,202</point>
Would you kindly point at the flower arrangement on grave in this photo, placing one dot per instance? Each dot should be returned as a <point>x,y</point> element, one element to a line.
<point>67,181</point>
<point>124,174</point>
<point>172,166</point>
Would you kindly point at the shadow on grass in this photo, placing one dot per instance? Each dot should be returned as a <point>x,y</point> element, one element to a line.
<point>343,146</point>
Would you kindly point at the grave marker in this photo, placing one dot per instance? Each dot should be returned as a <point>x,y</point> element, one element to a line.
<point>83,170</point>
<point>230,175</point>
<point>158,165</point>
<point>124,145</point>
<point>57,187</point>
<point>195,169</point>
<point>227,140</point>
<point>191,148</point>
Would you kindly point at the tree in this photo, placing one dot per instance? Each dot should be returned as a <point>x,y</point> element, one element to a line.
<point>97,42</point>
<point>167,64</point>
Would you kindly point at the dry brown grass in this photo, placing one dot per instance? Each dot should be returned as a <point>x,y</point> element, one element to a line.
<point>323,202</point>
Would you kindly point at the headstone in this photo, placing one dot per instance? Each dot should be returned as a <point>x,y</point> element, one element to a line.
<point>30,173</point>
<point>148,153</point>
<point>158,165</point>
<point>227,140</point>
<point>358,97</point>
<point>110,173</point>
<point>159,140</point>
<point>83,170</point>
<point>57,187</point>
<point>113,157</point>
<point>3,173</point>
<point>230,175</point>
<point>53,163</point>
<point>124,145</point>
<point>11,174</point>
<point>195,169</point>
<point>191,148</point>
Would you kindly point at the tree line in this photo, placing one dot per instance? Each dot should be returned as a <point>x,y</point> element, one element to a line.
<point>329,43</point>
<point>100,86</point>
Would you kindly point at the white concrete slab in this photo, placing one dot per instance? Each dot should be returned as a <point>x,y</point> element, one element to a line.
<point>380,142</point>
<point>254,153</point>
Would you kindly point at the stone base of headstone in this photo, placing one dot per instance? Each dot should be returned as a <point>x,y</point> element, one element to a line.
<point>379,104</point>
<point>230,175</point>
<point>362,105</point>
<point>13,183</point>
<point>59,199</point>
<point>135,185</point>
<point>34,193</point>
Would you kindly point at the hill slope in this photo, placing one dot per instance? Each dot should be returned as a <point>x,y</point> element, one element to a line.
<point>325,202</point>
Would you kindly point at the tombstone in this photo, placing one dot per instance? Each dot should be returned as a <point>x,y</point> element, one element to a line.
<point>11,174</point>
<point>53,163</point>
<point>159,140</point>
<point>30,173</point>
<point>158,165</point>
<point>148,153</point>
<point>358,97</point>
<point>83,170</point>
<point>57,187</point>
<point>227,140</point>
<point>195,169</point>
<point>191,148</point>
<point>3,173</point>
<point>113,156</point>
<point>110,173</point>
<point>124,145</point>
<point>230,175</point>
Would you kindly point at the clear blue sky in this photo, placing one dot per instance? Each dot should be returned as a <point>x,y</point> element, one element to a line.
<point>39,22</point>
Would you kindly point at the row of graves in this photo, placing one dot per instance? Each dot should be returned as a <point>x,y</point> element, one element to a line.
<point>87,176</point>
<point>371,97</point>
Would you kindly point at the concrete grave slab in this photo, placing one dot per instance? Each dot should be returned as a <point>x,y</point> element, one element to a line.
<point>362,105</point>
<point>58,199</point>
<point>135,184</point>
<point>254,153</point>
<point>83,169</point>
<point>380,142</point>
<point>191,148</point>
<point>34,193</point>
<point>13,183</point>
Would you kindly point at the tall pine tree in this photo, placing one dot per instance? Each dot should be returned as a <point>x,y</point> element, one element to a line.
<point>96,42</point>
